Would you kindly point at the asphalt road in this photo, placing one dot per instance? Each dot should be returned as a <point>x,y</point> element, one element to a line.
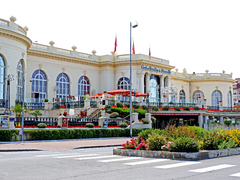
<point>99,163</point>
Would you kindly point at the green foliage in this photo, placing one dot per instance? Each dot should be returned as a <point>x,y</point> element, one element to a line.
<point>145,133</point>
<point>228,123</point>
<point>145,121</point>
<point>165,108</point>
<point>114,115</point>
<point>107,107</point>
<point>8,135</point>
<point>119,104</point>
<point>123,125</point>
<point>186,108</point>
<point>41,125</point>
<point>211,140</point>
<point>231,143</point>
<point>53,134</point>
<point>17,109</point>
<point>45,100</point>
<point>36,113</point>
<point>172,132</point>
<point>185,144</point>
<point>145,107</point>
<point>198,130</point>
<point>177,108</point>
<point>90,125</point>
<point>127,105</point>
<point>154,108</point>
<point>153,119</point>
<point>156,141</point>
<point>196,108</point>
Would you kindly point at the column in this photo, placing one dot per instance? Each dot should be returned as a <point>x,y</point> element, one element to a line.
<point>140,82</point>
<point>147,82</point>
<point>169,82</point>
<point>161,86</point>
<point>200,120</point>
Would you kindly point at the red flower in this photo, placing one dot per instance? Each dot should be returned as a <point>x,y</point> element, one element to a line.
<point>86,93</point>
<point>62,107</point>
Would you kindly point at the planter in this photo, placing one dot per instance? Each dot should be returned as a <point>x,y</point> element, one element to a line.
<point>207,154</point>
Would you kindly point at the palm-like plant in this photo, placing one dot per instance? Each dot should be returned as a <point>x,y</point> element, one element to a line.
<point>36,113</point>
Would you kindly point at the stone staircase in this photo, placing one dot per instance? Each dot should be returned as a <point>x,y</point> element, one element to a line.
<point>95,114</point>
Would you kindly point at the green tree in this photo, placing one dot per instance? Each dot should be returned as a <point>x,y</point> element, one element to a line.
<point>36,113</point>
<point>17,109</point>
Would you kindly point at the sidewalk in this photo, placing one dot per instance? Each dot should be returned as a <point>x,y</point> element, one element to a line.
<point>61,144</point>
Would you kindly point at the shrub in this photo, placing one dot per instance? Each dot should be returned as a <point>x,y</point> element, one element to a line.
<point>145,121</point>
<point>184,144</point>
<point>167,147</point>
<point>165,108</point>
<point>7,135</point>
<point>107,107</point>
<point>145,133</point>
<point>128,105</point>
<point>119,104</point>
<point>154,108</point>
<point>145,107</point>
<point>123,125</point>
<point>142,145</point>
<point>46,100</point>
<point>196,108</point>
<point>177,108</point>
<point>172,132</point>
<point>231,143</point>
<point>114,115</point>
<point>137,106</point>
<point>186,108</point>
<point>153,119</point>
<point>156,141</point>
<point>41,125</point>
<point>211,141</point>
<point>90,125</point>
<point>227,122</point>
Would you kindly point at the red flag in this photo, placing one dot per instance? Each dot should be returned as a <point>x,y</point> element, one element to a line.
<point>149,52</point>
<point>133,48</point>
<point>115,44</point>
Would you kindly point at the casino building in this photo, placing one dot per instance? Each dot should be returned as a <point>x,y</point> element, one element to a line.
<point>46,71</point>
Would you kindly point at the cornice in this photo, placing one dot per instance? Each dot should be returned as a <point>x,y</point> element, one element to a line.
<point>16,36</point>
<point>186,79</point>
<point>61,57</point>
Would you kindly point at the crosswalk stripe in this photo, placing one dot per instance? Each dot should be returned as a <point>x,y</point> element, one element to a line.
<point>177,165</point>
<point>212,168</point>
<point>96,157</point>
<point>146,162</point>
<point>79,155</point>
<point>48,155</point>
<point>120,159</point>
<point>236,174</point>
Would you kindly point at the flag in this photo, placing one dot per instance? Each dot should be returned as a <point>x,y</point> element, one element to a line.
<point>149,52</point>
<point>115,45</point>
<point>133,48</point>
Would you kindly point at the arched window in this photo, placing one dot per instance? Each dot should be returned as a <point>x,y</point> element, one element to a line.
<point>2,79</point>
<point>229,99</point>
<point>216,97</point>
<point>63,86</point>
<point>154,88</point>
<point>181,96</point>
<point>196,96</point>
<point>39,86</point>
<point>124,83</point>
<point>19,95</point>
<point>83,86</point>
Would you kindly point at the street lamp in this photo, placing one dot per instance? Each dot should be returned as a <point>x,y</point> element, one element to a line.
<point>131,26</point>
<point>23,109</point>
<point>7,108</point>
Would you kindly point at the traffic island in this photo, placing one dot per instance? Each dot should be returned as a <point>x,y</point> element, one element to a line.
<point>204,154</point>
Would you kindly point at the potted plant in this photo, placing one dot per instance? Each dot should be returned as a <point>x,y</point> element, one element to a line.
<point>36,113</point>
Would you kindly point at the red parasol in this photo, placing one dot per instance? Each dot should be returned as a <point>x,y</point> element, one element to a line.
<point>123,92</point>
<point>96,95</point>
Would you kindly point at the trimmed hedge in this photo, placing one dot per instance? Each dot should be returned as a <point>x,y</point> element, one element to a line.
<point>7,135</point>
<point>53,134</point>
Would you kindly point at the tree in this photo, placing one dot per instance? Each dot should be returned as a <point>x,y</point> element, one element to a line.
<point>36,113</point>
<point>17,109</point>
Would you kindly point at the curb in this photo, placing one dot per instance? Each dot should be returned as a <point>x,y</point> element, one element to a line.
<point>178,155</point>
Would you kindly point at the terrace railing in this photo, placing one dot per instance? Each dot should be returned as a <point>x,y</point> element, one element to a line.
<point>67,105</point>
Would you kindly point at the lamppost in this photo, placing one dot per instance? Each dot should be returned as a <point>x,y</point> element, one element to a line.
<point>131,26</point>
<point>7,109</point>
<point>148,96</point>
<point>23,108</point>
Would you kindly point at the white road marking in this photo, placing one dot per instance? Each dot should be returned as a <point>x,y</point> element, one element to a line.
<point>48,155</point>
<point>96,157</point>
<point>78,155</point>
<point>212,168</point>
<point>177,165</point>
<point>236,174</point>
<point>146,162</point>
<point>120,159</point>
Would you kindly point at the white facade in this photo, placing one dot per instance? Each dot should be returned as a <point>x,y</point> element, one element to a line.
<point>102,73</point>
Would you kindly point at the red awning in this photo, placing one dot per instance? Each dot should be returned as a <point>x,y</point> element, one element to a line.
<point>123,92</point>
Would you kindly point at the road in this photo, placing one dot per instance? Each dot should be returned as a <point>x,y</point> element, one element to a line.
<point>99,163</point>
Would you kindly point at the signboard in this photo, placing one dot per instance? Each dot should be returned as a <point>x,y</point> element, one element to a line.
<point>175,114</point>
<point>4,121</point>
<point>105,122</point>
<point>155,69</point>
<point>64,122</point>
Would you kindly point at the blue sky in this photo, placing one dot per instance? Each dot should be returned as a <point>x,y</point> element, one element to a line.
<point>192,34</point>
